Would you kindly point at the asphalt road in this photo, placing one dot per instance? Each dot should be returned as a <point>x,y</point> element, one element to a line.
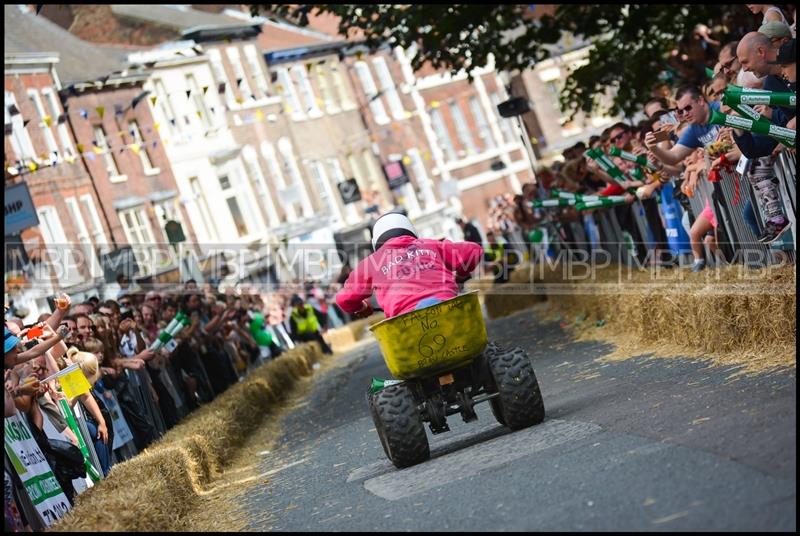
<point>641,444</point>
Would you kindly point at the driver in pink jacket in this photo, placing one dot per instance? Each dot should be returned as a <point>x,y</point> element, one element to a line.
<point>406,272</point>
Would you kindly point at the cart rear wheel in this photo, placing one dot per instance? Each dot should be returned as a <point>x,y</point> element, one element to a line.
<point>399,425</point>
<point>519,402</point>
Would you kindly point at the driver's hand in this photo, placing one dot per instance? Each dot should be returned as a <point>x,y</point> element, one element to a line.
<point>365,311</point>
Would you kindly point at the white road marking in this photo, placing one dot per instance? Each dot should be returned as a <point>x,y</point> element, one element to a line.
<point>468,461</point>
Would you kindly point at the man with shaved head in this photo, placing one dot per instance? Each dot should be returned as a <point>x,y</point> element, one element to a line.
<point>754,51</point>
<point>757,54</point>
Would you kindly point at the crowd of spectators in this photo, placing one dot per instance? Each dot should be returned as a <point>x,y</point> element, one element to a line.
<point>115,344</point>
<point>676,135</point>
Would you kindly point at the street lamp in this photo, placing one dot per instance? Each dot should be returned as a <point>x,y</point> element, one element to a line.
<point>515,107</point>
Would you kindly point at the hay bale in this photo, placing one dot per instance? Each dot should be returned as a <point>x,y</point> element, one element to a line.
<point>727,314</point>
<point>156,489</point>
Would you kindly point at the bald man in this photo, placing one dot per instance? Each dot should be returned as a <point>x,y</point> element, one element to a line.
<point>754,52</point>
<point>757,55</point>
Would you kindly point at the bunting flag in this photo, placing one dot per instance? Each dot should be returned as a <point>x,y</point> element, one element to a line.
<point>9,129</point>
<point>221,88</point>
<point>97,150</point>
<point>239,100</point>
<point>90,156</point>
<point>84,113</point>
<point>407,160</point>
<point>153,100</point>
<point>70,159</point>
<point>259,116</point>
<point>359,55</point>
<point>205,89</point>
<point>426,155</point>
<point>188,93</point>
<point>172,121</point>
<point>100,111</point>
<point>136,148</point>
<point>239,82</point>
<point>139,98</point>
<point>121,150</point>
<point>309,66</point>
<point>435,104</point>
<point>25,123</point>
<point>253,97</point>
<point>12,109</point>
<point>155,126</point>
<point>47,120</point>
<point>94,142</point>
<point>61,118</point>
<point>187,120</point>
<point>279,87</point>
<point>80,148</point>
<point>32,166</point>
<point>199,115</point>
<point>156,143</point>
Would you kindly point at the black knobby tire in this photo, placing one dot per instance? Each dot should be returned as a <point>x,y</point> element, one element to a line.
<point>491,350</point>
<point>400,426</point>
<point>378,424</point>
<point>519,402</point>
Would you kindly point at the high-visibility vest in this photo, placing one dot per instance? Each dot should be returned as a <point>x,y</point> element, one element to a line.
<point>307,323</point>
<point>495,251</point>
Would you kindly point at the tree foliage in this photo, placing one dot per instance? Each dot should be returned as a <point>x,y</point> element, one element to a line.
<point>632,42</point>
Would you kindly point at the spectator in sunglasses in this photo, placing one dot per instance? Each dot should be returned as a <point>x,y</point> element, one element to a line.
<point>692,108</point>
<point>716,87</point>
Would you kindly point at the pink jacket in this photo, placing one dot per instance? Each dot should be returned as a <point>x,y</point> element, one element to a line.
<point>406,270</point>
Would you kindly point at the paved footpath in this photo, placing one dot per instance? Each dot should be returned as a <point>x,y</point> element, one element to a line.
<point>641,444</point>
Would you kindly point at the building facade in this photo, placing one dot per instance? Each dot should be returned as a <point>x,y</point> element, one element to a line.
<point>41,156</point>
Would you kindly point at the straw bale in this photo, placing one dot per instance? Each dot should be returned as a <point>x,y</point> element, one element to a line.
<point>156,489</point>
<point>733,315</point>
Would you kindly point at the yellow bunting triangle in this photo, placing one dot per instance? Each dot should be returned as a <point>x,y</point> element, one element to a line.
<point>32,166</point>
<point>199,114</point>
<point>239,100</point>
<point>74,383</point>
<point>100,111</point>
<point>435,104</point>
<point>47,120</point>
<point>153,99</point>
<point>69,159</point>
<point>259,115</point>
<point>97,150</point>
<point>80,147</point>
<point>155,126</point>
<point>135,147</point>
<point>406,160</point>
<point>426,155</point>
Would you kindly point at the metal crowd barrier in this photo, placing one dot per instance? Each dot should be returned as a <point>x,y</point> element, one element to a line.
<point>140,382</point>
<point>729,209</point>
<point>727,197</point>
<point>786,171</point>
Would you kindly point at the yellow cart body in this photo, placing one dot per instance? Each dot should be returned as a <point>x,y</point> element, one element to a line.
<point>432,340</point>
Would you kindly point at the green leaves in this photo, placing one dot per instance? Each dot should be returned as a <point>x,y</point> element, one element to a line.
<point>632,43</point>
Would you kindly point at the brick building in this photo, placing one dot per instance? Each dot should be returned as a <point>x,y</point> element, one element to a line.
<point>104,127</point>
<point>40,153</point>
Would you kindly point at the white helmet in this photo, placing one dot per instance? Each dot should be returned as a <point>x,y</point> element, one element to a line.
<point>391,225</point>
